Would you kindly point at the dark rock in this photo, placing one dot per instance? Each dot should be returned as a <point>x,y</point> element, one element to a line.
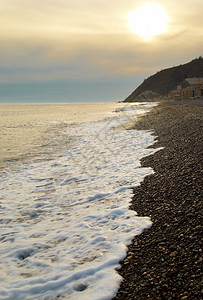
<point>80,286</point>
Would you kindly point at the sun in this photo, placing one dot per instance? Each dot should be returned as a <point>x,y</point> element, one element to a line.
<point>148,20</point>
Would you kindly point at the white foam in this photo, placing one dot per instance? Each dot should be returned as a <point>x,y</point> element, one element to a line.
<point>65,224</point>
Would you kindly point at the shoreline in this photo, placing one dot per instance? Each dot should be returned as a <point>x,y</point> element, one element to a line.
<point>164,262</point>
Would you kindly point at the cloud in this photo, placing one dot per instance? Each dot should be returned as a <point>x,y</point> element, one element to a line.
<point>84,40</point>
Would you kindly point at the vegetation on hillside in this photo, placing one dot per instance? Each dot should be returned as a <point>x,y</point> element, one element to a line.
<point>168,79</point>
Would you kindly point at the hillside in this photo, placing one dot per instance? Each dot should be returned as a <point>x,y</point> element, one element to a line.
<point>166,80</point>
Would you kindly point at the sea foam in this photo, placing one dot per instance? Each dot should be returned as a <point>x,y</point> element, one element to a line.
<point>65,222</point>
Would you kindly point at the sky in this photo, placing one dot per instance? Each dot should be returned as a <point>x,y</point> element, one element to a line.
<point>92,50</point>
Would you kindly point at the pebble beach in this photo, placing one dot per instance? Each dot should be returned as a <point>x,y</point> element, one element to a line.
<point>165,261</point>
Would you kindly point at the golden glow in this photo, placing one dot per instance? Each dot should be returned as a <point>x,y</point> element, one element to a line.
<point>148,20</point>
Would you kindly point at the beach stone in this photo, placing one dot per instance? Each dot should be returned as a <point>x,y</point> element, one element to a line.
<point>170,250</point>
<point>26,275</point>
<point>80,286</point>
<point>33,214</point>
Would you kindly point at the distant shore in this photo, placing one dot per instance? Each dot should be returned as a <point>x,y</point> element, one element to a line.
<point>165,261</point>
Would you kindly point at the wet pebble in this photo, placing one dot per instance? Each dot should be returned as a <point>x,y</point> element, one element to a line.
<point>167,257</point>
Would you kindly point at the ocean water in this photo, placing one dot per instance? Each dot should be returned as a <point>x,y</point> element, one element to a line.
<point>67,174</point>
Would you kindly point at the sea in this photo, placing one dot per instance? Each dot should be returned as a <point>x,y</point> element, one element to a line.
<point>66,177</point>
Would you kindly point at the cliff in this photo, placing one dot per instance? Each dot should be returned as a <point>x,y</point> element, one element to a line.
<point>166,80</point>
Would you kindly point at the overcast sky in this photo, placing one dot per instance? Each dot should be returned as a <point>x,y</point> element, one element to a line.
<point>85,50</point>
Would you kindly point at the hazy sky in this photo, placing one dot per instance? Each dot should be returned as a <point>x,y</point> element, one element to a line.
<point>80,50</point>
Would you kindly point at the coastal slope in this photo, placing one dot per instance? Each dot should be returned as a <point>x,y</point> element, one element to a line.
<point>167,80</point>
